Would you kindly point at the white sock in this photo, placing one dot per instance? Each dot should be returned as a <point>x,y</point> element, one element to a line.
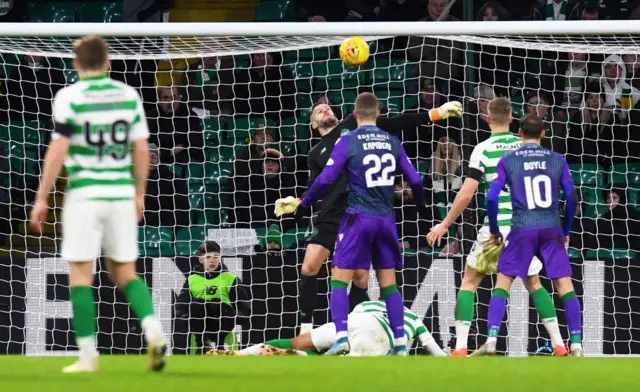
<point>400,341</point>
<point>252,350</point>
<point>492,341</point>
<point>152,330</point>
<point>87,347</point>
<point>553,329</point>
<point>576,346</point>
<point>462,334</point>
<point>341,334</point>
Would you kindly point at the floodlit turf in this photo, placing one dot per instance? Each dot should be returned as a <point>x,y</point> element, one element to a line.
<point>231,374</point>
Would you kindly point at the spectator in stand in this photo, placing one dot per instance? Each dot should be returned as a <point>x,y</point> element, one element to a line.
<point>254,201</point>
<point>209,85</point>
<point>210,302</point>
<point>13,11</point>
<point>30,89</point>
<point>266,88</point>
<point>555,137</point>
<point>619,95</point>
<point>175,130</point>
<point>591,129</point>
<point>494,63</point>
<point>582,230</point>
<point>250,160</point>
<point>440,60</point>
<point>446,171</point>
<point>581,69</point>
<point>412,222</point>
<point>612,9</point>
<point>619,227</point>
<point>166,202</point>
<point>589,11</point>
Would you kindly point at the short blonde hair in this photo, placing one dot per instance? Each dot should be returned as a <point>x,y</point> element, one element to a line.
<point>92,53</point>
<point>499,110</point>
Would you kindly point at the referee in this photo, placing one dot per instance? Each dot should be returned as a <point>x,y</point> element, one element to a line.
<point>333,206</point>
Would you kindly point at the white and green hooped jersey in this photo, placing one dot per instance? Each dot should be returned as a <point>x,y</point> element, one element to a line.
<point>413,325</point>
<point>485,157</point>
<point>106,117</point>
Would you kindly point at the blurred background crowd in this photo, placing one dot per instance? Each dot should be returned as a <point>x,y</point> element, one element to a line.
<point>230,134</point>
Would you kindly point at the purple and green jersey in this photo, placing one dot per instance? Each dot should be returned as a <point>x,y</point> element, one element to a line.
<point>371,158</point>
<point>535,177</point>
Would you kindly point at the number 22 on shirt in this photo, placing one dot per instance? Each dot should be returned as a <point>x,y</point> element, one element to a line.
<point>382,173</point>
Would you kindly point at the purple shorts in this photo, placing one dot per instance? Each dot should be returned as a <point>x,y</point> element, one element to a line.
<point>365,240</point>
<point>547,244</point>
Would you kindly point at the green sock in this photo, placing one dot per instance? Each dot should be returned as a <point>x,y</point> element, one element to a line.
<point>464,305</point>
<point>84,311</point>
<point>544,304</point>
<point>139,298</point>
<point>280,343</point>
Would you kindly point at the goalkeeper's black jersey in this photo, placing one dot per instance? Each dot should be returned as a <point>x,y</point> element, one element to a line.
<point>334,204</point>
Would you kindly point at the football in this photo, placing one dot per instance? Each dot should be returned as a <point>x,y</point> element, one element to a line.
<point>354,51</point>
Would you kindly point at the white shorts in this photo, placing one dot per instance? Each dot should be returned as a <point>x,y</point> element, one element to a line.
<point>89,226</point>
<point>366,336</point>
<point>483,236</point>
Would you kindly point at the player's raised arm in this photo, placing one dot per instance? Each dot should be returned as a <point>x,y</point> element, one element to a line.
<point>493,196</point>
<point>570,196</point>
<point>411,120</point>
<point>54,158</point>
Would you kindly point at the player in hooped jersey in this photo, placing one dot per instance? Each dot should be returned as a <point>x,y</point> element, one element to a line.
<point>367,234</point>
<point>535,176</point>
<point>100,136</point>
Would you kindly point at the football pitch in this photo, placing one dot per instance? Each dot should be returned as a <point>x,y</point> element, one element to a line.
<point>291,373</point>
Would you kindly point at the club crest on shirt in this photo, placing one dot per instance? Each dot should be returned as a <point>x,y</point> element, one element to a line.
<point>323,150</point>
<point>344,132</point>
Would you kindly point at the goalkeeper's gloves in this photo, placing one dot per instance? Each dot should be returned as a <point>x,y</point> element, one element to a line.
<point>288,205</point>
<point>449,109</point>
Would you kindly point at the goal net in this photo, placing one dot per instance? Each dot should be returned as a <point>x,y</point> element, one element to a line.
<point>230,123</point>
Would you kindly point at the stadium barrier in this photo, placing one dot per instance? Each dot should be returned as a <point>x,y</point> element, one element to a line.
<point>35,313</point>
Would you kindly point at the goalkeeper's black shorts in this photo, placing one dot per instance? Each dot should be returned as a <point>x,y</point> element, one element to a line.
<point>324,234</point>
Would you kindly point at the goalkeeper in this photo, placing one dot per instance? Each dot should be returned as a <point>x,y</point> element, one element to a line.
<point>483,259</point>
<point>369,332</point>
<point>333,206</point>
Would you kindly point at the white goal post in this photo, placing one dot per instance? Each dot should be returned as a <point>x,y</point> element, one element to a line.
<point>606,288</point>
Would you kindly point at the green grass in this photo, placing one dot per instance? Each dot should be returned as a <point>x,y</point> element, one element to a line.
<point>290,373</point>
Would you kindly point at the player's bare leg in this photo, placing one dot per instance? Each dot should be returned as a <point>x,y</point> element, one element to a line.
<point>464,309</point>
<point>84,317</point>
<point>395,309</point>
<point>547,311</point>
<point>137,293</point>
<point>315,255</point>
<point>572,312</point>
<point>340,309</point>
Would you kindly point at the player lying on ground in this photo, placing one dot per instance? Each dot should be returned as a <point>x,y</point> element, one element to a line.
<point>534,175</point>
<point>101,137</point>
<point>369,332</point>
<point>367,234</point>
<point>334,203</point>
<point>482,259</point>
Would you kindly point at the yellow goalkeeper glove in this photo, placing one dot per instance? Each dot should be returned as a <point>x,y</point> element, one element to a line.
<point>288,205</point>
<point>449,109</point>
<point>488,259</point>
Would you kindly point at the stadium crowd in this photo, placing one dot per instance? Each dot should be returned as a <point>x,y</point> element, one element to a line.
<point>589,102</point>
